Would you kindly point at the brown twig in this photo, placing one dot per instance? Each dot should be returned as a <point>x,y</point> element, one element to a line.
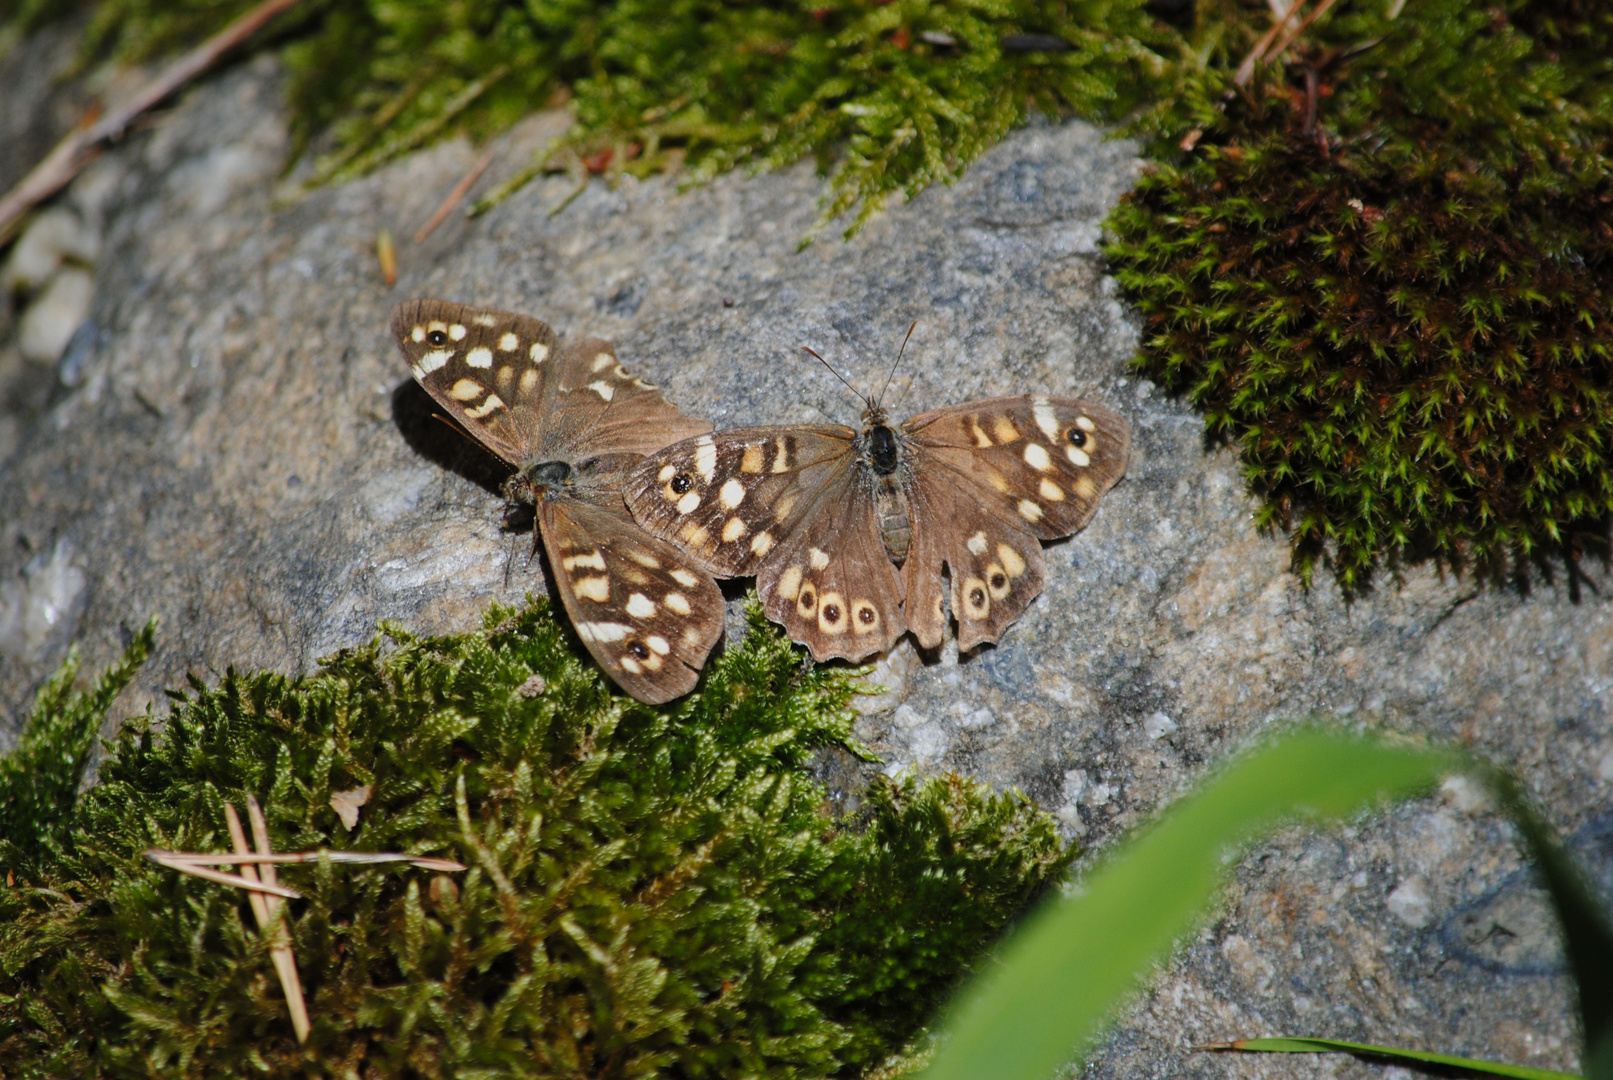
<point>265,908</point>
<point>1246,70</point>
<point>197,869</point>
<point>454,196</point>
<point>360,858</point>
<point>79,148</point>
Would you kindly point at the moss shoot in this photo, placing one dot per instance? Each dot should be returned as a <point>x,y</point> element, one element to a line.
<point>650,891</point>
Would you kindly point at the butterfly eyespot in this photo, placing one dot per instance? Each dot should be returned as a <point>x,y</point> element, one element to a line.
<point>640,650</point>
<point>682,482</point>
<point>1077,437</point>
<point>999,580</point>
<point>437,338</point>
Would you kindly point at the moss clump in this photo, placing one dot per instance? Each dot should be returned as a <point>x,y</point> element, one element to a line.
<point>1387,272</point>
<point>887,96</point>
<point>651,891</point>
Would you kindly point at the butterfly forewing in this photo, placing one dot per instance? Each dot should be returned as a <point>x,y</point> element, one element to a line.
<point>648,616</point>
<point>489,369</point>
<point>1043,459</point>
<point>729,498</point>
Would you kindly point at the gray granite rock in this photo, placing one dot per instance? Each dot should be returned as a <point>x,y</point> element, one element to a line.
<point>236,448</point>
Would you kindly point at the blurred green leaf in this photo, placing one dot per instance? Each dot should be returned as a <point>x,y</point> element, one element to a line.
<point>1060,976</point>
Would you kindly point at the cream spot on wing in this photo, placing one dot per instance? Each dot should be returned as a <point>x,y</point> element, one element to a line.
<point>538,353</point>
<point>418,334</point>
<point>603,389</point>
<point>1051,491</point>
<point>732,494</point>
<point>633,575</point>
<point>1029,510</point>
<point>781,463</point>
<point>1004,429</point>
<point>437,324</point>
<point>692,534</point>
<point>602,631</point>
<point>596,589</point>
<point>691,637</point>
<point>818,558</point>
<point>789,583</point>
<point>982,440</point>
<point>632,665</point>
<point>977,543</point>
<point>732,530</point>
<point>976,601</point>
<point>593,561</point>
<point>509,343</point>
<point>667,472</point>
<point>481,356</point>
<point>689,503</point>
<point>643,558</point>
<point>1078,456</point>
<point>1085,423</point>
<point>1037,457</point>
<point>652,663</point>
<point>640,606</point>
<point>493,402</point>
<point>705,457</point>
<point>484,319</point>
<point>1011,560</point>
<point>1085,488</point>
<point>456,332</point>
<point>466,390</point>
<point>657,643</point>
<point>997,480</point>
<point>864,617</point>
<point>602,361</point>
<point>832,615</point>
<point>434,359</point>
<point>997,581</point>
<point>752,461</point>
<point>676,602</point>
<point>529,379</point>
<point>782,508</point>
<point>1045,417</point>
<point>761,543</point>
<point>684,578</point>
<point>506,376</point>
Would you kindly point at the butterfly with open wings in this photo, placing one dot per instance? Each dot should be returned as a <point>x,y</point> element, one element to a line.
<point>573,422</point>
<point>848,532</point>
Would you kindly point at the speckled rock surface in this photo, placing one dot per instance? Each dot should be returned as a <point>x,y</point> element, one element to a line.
<point>235,446</point>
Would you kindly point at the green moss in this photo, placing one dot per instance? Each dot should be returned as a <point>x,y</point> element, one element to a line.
<point>1394,291</point>
<point>651,891</point>
<point>886,96</point>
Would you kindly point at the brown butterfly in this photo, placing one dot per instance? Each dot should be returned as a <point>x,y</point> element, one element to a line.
<point>848,532</point>
<point>574,422</point>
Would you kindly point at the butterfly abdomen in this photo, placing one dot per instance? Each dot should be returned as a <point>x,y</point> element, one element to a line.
<point>883,455</point>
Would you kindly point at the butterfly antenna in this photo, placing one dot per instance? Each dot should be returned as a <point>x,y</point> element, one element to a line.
<point>839,376</point>
<point>898,363</point>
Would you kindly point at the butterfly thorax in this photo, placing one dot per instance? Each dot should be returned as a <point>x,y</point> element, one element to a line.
<point>537,479</point>
<point>881,452</point>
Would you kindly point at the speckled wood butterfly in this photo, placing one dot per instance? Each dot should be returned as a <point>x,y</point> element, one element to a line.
<point>574,422</point>
<point>848,532</point>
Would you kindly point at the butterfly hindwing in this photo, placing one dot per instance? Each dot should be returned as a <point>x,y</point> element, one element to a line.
<point>648,616</point>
